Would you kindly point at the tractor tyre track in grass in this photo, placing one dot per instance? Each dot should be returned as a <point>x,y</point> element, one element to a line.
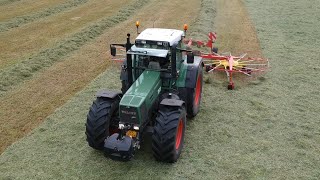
<point>51,88</point>
<point>17,73</point>
<point>21,20</point>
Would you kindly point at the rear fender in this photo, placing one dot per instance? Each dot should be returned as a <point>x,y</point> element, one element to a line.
<point>108,94</point>
<point>172,102</point>
<point>192,72</point>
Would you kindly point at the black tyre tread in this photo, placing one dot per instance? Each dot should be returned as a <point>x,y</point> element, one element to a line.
<point>163,138</point>
<point>124,86</point>
<point>192,111</point>
<point>98,121</point>
<point>215,50</point>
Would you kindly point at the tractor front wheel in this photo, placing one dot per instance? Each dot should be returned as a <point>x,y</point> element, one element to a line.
<point>101,121</point>
<point>168,134</point>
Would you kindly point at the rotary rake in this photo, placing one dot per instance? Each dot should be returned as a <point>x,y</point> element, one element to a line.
<point>226,62</point>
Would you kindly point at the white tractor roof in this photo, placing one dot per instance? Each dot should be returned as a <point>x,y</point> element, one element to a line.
<point>158,34</point>
<point>148,51</point>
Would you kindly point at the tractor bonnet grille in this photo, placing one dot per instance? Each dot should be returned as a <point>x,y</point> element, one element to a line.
<point>129,115</point>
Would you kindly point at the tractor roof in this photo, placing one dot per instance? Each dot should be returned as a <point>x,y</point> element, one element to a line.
<point>148,51</point>
<point>158,34</point>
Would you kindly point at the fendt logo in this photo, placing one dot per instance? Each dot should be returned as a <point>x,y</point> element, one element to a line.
<point>128,112</point>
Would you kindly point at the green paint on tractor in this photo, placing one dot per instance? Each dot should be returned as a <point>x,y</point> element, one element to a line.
<point>143,92</point>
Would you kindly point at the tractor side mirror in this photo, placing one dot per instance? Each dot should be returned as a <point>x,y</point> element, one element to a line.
<point>190,58</point>
<point>113,50</point>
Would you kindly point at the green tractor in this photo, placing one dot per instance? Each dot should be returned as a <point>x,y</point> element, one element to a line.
<point>161,87</point>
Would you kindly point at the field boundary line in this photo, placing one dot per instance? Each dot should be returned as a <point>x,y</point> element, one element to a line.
<point>22,20</point>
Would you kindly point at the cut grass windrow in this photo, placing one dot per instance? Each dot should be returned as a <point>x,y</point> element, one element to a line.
<point>21,20</point>
<point>204,23</point>
<point>17,73</point>
<point>5,2</point>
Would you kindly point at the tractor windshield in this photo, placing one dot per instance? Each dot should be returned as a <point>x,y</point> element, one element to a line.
<point>150,62</point>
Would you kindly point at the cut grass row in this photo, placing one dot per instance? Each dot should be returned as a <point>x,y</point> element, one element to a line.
<point>45,33</point>
<point>21,20</point>
<point>19,72</point>
<point>21,8</point>
<point>205,21</point>
<point>5,2</point>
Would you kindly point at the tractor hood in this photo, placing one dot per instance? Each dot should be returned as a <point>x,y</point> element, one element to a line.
<point>140,97</point>
<point>148,51</point>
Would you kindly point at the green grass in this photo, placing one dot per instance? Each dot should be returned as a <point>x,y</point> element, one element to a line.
<point>25,69</point>
<point>267,129</point>
<point>21,20</point>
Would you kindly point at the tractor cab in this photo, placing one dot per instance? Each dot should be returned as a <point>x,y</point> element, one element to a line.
<point>153,48</point>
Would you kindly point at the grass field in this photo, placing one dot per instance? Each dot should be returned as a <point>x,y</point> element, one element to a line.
<point>267,128</point>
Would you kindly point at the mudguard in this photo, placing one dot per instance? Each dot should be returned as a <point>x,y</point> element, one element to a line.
<point>172,102</point>
<point>108,94</point>
<point>192,72</point>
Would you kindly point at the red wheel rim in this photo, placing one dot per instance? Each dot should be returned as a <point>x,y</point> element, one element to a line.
<point>198,91</point>
<point>179,134</point>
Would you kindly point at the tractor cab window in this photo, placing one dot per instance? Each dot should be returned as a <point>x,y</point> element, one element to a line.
<point>151,62</point>
<point>141,61</point>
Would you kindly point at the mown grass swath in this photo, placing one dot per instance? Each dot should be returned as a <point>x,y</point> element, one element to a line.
<point>21,20</point>
<point>5,2</point>
<point>204,22</point>
<point>17,73</point>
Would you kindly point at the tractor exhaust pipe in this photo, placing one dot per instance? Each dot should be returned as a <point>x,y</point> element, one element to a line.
<point>173,61</point>
<point>129,61</point>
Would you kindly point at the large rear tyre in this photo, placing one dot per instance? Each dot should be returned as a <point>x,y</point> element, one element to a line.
<point>168,134</point>
<point>124,86</point>
<point>194,95</point>
<point>101,121</point>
